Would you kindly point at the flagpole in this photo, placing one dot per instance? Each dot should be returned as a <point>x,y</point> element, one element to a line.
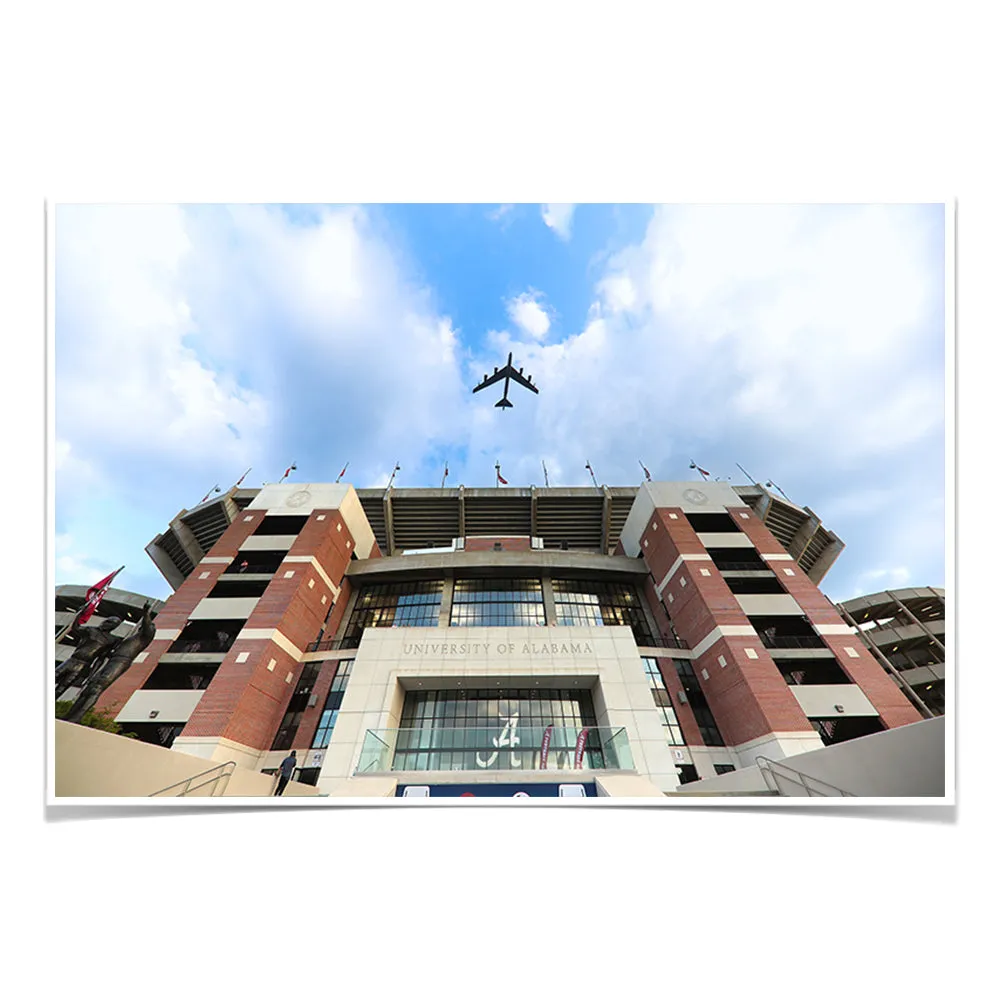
<point>69,628</point>
<point>745,473</point>
<point>445,476</point>
<point>245,474</point>
<point>342,471</point>
<point>392,477</point>
<point>591,471</point>
<point>649,478</point>
<point>771,482</point>
<point>545,472</point>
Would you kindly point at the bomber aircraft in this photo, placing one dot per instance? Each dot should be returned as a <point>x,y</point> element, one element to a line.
<point>507,373</point>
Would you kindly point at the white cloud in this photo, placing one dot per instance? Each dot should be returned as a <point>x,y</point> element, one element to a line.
<point>76,567</point>
<point>193,343</point>
<point>559,218</point>
<point>874,581</point>
<point>503,215</point>
<point>528,314</point>
<point>811,312</point>
<point>804,343</point>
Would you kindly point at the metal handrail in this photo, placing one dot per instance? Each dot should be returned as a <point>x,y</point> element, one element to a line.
<point>792,641</point>
<point>200,646</point>
<point>771,764</point>
<point>221,768</point>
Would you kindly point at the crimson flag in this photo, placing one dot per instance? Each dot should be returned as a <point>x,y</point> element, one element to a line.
<point>546,740</point>
<point>702,471</point>
<point>94,595</point>
<point>500,479</point>
<point>580,740</point>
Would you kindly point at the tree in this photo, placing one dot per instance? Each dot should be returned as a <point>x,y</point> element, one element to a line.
<point>96,718</point>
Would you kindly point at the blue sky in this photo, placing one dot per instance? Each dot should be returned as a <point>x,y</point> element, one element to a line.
<point>805,343</point>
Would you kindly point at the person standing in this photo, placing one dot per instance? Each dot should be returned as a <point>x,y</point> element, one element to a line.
<point>285,772</point>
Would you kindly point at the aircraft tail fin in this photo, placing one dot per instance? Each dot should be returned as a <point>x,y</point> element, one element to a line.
<point>504,402</point>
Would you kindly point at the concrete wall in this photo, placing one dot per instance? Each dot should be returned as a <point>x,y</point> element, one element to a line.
<point>768,604</point>
<point>820,701</point>
<point>724,540</point>
<point>268,543</point>
<point>908,761</point>
<point>170,706</point>
<point>91,763</point>
<point>225,607</point>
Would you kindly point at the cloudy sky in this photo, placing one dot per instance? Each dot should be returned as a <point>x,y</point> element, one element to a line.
<point>805,343</point>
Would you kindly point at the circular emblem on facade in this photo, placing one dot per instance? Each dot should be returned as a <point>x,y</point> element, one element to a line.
<point>694,496</point>
<point>521,795</point>
<point>298,498</point>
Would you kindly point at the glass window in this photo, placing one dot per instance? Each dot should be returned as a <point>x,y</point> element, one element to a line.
<point>699,705</point>
<point>497,602</point>
<point>596,602</point>
<point>398,605</point>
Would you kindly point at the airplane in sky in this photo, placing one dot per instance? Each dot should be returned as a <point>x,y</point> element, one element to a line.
<point>507,373</point>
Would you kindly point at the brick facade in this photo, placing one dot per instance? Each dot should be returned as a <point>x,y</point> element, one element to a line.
<point>249,694</point>
<point>748,696</point>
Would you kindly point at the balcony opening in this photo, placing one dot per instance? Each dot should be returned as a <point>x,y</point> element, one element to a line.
<point>841,729</point>
<point>813,671</point>
<point>239,588</point>
<point>281,524</point>
<point>686,773</point>
<point>786,632</point>
<point>181,677</point>
<point>755,585</point>
<point>253,561</point>
<point>712,523</point>
<point>159,735</point>
<point>736,558</point>
<point>208,635</point>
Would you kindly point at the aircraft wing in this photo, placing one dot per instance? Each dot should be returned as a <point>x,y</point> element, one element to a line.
<point>497,376</point>
<point>521,380</point>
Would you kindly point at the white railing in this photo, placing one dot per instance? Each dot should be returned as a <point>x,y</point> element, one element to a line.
<point>772,771</point>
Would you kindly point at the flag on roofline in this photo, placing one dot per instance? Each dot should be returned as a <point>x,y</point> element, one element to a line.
<point>500,479</point>
<point>94,596</point>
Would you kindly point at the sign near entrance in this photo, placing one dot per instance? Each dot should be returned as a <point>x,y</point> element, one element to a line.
<point>489,790</point>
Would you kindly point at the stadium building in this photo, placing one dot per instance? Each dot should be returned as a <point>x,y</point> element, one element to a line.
<point>905,631</point>
<point>542,641</point>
